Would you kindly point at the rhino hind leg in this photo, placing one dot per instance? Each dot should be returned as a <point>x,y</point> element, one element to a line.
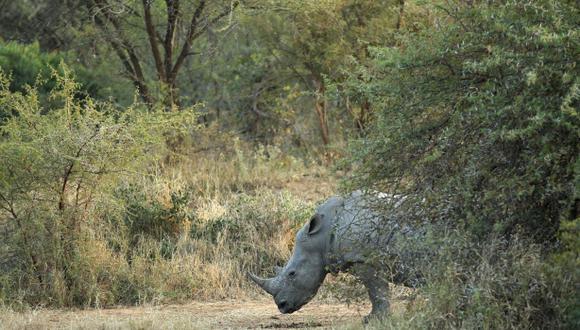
<point>377,287</point>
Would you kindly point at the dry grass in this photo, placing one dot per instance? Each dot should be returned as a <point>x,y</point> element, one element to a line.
<point>234,237</point>
<point>246,203</point>
<point>188,229</point>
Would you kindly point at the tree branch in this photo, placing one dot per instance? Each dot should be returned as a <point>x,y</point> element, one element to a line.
<point>150,27</point>
<point>124,50</point>
<point>172,14</point>
<point>401,12</point>
<point>9,208</point>
<point>189,39</point>
<point>69,169</point>
<point>194,33</point>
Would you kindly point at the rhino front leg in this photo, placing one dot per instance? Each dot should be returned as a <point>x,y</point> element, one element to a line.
<point>377,288</point>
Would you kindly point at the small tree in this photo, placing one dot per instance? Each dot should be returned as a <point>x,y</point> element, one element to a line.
<point>168,31</point>
<point>58,172</point>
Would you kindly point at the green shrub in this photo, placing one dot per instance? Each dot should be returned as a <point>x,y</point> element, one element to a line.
<point>477,123</point>
<point>58,173</point>
<point>96,216</point>
<point>477,117</point>
<point>564,268</point>
<point>258,228</point>
<point>27,65</point>
<point>145,215</point>
<point>498,284</point>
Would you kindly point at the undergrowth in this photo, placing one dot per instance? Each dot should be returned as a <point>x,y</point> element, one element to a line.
<point>497,284</point>
<point>100,207</point>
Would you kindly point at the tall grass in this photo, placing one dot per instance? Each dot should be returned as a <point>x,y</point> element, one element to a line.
<point>95,210</point>
<point>497,284</point>
<point>188,231</point>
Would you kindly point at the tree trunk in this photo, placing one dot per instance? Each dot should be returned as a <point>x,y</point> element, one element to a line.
<point>365,110</point>
<point>168,65</point>
<point>401,12</point>
<point>171,95</point>
<point>320,107</point>
<point>122,47</point>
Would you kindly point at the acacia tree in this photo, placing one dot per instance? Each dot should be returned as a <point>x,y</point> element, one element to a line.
<point>59,171</point>
<point>156,37</point>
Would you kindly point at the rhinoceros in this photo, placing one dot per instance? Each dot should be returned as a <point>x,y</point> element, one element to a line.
<point>345,234</point>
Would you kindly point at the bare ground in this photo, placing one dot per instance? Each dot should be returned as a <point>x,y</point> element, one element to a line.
<point>229,314</point>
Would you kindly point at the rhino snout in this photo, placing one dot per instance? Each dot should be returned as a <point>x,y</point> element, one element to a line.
<point>285,308</point>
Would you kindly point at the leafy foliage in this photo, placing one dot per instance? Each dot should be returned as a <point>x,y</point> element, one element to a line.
<point>468,108</point>
<point>27,65</point>
<point>313,41</point>
<point>58,170</point>
<point>53,23</point>
<point>152,218</point>
<point>478,117</point>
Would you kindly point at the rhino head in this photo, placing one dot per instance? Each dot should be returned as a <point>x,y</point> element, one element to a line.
<point>297,282</point>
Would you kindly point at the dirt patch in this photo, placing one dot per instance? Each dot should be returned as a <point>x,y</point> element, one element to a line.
<point>231,314</point>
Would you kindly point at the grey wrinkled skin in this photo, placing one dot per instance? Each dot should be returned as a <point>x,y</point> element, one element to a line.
<point>346,235</point>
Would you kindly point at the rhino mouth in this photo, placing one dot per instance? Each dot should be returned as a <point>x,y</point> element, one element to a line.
<point>286,308</point>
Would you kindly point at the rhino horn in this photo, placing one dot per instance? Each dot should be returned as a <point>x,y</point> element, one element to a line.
<point>266,284</point>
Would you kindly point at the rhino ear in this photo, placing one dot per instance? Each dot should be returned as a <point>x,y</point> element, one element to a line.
<point>315,224</point>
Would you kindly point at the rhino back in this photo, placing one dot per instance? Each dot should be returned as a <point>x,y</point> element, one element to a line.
<point>360,232</point>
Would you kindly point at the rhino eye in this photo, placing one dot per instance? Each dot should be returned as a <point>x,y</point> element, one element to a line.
<point>292,274</point>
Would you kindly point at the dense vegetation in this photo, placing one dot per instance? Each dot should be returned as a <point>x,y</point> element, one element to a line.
<point>480,118</point>
<point>154,151</point>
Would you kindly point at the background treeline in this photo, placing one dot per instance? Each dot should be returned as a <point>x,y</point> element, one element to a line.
<point>156,150</point>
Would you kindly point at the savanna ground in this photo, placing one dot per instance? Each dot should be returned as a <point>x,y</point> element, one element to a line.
<point>260,313</point>
<point>256,312</point>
